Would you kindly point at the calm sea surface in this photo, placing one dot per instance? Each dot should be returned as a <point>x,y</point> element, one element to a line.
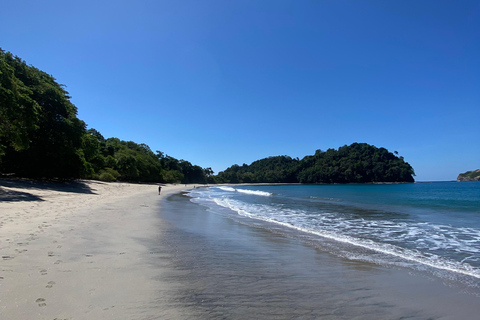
<point>432,227</point>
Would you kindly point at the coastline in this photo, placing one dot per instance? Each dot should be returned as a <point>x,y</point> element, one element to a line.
<point>75,250</point>
<point>94,250</point>
<point>230,267</point>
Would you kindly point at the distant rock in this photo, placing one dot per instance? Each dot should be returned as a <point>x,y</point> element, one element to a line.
<point>469,176</point>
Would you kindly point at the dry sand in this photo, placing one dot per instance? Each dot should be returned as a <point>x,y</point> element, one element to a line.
<point>75,251</point>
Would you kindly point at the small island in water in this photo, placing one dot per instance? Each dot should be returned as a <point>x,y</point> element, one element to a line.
<point>473,175</point>
<point>356,163</point>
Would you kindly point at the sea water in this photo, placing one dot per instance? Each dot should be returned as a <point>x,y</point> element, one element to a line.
<point>432,227</point>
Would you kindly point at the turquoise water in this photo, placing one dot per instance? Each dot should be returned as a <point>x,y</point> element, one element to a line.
<point>426,226</point>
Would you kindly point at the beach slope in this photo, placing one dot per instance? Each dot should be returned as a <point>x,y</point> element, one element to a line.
<point>76,250</point>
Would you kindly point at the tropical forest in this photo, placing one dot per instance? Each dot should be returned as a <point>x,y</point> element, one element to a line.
<point>41,137</point>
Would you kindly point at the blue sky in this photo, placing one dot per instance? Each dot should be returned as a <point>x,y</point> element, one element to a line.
<point>219,83</point>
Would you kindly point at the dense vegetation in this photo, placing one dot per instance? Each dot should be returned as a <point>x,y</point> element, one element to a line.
<point>41,136</point>
<point>473,175</point>
<point>357,163</point>
<point>280,169</point>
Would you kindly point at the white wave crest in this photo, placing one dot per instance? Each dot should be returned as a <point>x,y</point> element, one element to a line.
<point>273,215</point>
<point>255,192</point>
<point>227,189</point>
<point>246,191</point>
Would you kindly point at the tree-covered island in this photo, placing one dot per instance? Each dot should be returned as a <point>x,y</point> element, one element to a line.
<point>41,137</point>
<point>356,163</point>
<point>473,175</point>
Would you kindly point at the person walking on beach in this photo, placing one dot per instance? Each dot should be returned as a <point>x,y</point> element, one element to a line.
<point>159,189</point>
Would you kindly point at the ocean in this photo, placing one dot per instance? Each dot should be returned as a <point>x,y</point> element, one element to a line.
<point>434,226</point>
<point>356,251</point>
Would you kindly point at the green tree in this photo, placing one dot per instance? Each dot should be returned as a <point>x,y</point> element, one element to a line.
<point>358,163</point>
<point>46,140</point>
<point>18,111</point>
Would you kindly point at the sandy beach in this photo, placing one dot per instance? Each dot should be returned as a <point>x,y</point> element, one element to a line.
<point>93,250</point>
<point>74,251</point>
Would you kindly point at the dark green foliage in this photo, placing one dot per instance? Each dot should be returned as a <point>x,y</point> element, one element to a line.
<point>357,163</point>
<point>183,171</point>
<point>134,162</point>
<point>41,136</point>
<point>108,175</point>
<point>18,111</point>
<point>469,176</point>
<point>280,169</point>
<point>114,159</point>
<point>192,173</point>
<point>172,176</point>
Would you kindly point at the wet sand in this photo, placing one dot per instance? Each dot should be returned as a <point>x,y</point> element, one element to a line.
<point>229,268</point>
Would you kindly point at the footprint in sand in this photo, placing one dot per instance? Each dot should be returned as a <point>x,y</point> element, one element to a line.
<point>51,254</point>
<point>58,262</point>
<point>32,237</point>
<point>7,257</point>
<point>41,302</point>
<point>59,246</point>
<point>50,284</point>
<point>43,272</point>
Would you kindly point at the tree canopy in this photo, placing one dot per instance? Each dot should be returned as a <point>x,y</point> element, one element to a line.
<point>279,169</point>
<point>473,175</point>
<point>41,136</point>
<point>356,163</point>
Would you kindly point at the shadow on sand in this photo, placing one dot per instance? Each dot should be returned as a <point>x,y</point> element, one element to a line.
<point>28,184</point>
<point>11,196</point>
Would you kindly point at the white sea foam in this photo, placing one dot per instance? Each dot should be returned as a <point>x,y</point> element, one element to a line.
<point>227,189</point>
<point>359,233</point>
<point>429,244</point>
<point>255,192</point>
<point>246,191</point>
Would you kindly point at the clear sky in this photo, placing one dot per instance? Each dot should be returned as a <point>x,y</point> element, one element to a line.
<point>219,83</point>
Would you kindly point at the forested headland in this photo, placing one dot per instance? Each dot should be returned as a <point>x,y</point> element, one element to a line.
<point>356,163</point>
<point>41,137</point>
<point>473,175</point>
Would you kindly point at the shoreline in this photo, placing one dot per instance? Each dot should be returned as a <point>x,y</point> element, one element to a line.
<point>77,250</point>
<point>95,250</point>
<point>235,267</point>
<point>231,267</point>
